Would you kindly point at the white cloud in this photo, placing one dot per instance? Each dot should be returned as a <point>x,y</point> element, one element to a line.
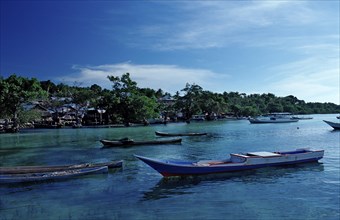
<point>313,80</point>
<point>169,78</point>
<point>301,29</point>
<point>219,24</point>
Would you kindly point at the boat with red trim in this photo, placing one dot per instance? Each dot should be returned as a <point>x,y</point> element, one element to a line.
<point>236,162</point>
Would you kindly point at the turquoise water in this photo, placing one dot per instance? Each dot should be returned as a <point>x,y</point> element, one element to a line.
<point>308,191</point>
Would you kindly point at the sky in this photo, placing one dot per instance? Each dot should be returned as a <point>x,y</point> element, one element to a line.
<point>253,47</point>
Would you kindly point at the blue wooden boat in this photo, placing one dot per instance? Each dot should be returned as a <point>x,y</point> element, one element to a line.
<point>236,162</point>
<point>57,175</point>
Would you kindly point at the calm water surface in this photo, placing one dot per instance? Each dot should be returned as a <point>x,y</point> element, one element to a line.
<point>308,191</point>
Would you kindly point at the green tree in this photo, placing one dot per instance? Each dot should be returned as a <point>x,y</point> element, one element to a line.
<point>212,103</point>
<point>189,102</point>
<point>274,107</point>
<point>236,109</point>
<point>96,89</point>
<point>16,90</point>
<point>249,111</point>
<point>131,104</point>
<point>29,116</point>
<point>49,87</point>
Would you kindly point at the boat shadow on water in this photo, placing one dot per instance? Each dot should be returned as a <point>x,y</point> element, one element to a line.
<point>173,186</point>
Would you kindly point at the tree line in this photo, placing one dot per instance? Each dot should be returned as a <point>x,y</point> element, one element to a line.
<point>126,102</point>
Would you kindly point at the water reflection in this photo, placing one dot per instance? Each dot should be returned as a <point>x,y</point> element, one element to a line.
<point>169,187</point>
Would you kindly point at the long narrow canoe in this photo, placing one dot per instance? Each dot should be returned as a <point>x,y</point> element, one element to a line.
<point>56,175</point>
<point>273,120</point>
<point>41,169</point>
<point>302,118</point>
<point>178,134</point>
<point>124,143</point>
<point>236,162</point>
<point>334,125</point>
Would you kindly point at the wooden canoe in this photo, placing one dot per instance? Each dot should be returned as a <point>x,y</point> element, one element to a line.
<point>123,143</point>
<point>236,162</point>
<point>178,134</point>
<point>334,125</point>
<point>56,175</point>
<point>41,169</point>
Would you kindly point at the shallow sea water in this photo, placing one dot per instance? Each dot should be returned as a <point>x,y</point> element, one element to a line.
<point>305,191</point>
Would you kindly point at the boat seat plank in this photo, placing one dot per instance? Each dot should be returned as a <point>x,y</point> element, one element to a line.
<point>263,154</point>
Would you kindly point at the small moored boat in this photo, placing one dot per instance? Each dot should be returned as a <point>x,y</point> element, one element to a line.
<point>41,169</point>
<point>263,120</point>
<point>130,142</point>
<point>302,118</point>
<point>56,175</point>
<point>280,117</point>
<point>334,125</point>
<point>198,118</point>
<point>178,134</point>
<point>236,162</point>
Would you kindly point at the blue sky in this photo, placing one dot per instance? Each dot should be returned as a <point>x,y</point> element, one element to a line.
<point>280,47</point>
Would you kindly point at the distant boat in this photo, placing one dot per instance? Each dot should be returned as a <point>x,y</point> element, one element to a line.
<point>302,118</point>
<point>159,133</point>
<point>198,118</point>
<point>77,125</point>
<point>282,117</point>
<point>271,120</point>
<point>334,125</point>
<point>56,175</point>
<point>236,162</point>
<point>41,169</point>
<point>130,142</point>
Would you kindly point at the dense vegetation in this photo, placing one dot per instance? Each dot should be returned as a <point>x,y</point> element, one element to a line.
<point>126,102</point>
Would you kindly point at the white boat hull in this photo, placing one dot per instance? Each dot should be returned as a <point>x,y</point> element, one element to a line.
<point>282,120</point>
